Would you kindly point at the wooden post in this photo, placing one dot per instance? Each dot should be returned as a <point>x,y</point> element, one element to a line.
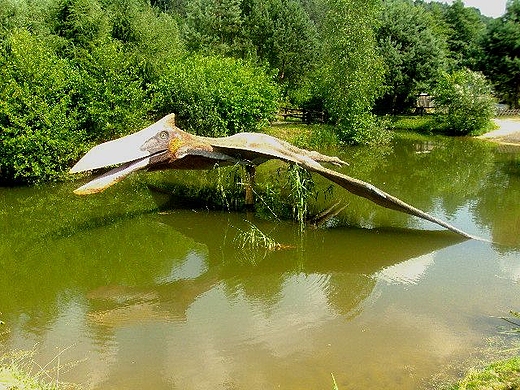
<point>250,183</point>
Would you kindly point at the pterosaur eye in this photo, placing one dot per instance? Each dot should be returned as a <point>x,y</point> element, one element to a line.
<point>163,135</point>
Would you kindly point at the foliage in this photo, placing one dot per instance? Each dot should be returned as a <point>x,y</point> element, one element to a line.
<point>109,66</point>
<point>253,239</point>
<point>301,189</point>
<point>283,34</point>
<point>417,124</point>
<point>19,371</point>
<point>466,30</point>
<point>151,36</point>
<point>348,79</point>
<point>414,55</point>
<point>216,96</point>
<point>40,120</point>
<point>213,27</point>
<point>114,98</point>
<point>501,47</point>
<point>463,102</point>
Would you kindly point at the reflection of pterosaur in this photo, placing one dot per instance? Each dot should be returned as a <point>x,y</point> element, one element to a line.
<point>163,145</point>
<point>262,280</point>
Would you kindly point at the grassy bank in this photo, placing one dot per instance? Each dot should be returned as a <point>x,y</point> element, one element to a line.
<point>13,377</point>
<point>18,371</point>
<point>500,375</point>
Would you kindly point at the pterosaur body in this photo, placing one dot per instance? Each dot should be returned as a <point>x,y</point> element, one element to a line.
<point>164,146</point>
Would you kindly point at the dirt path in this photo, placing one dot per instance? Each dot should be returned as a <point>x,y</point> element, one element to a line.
<point>508,132</point>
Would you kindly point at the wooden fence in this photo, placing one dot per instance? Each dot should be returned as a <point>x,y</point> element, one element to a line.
<point>508,112</point>
<point>306,116</point>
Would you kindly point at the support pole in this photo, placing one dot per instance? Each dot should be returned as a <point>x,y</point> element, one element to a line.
<point>250,183</point>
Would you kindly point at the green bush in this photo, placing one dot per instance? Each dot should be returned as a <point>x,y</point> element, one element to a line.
<point>216,96</point>
<point>464,104</point>
<point>39,118</point>
<point>113,95</point>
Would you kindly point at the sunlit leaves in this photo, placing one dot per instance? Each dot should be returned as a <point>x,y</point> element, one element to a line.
<point>463,102</point>
<point>217,96</point>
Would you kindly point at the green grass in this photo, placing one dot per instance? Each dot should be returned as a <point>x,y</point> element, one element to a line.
<point>415,123</point>
<point>305,136</point>
<point>502,375</point>
<point>18,371</point>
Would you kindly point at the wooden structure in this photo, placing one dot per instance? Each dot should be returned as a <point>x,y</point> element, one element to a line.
<point>424,104</point>
<point>306,116</point>
<point>507,112</point>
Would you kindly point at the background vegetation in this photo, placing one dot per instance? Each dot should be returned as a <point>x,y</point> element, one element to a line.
<point>78,72</point>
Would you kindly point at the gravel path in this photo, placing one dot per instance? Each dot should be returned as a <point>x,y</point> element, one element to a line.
<point>508,132</point>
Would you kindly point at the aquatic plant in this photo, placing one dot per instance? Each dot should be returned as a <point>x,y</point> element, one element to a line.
<point>18,370</point>
<point>301,189</point>
<point>253,238</point>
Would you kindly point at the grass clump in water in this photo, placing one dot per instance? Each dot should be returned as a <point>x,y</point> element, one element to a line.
<point>302,188</point>
<point>253,238</point>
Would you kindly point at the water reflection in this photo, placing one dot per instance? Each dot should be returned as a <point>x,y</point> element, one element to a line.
<point>149,300</point>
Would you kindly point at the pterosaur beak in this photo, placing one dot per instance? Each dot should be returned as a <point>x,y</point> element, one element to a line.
<point>127,150</point>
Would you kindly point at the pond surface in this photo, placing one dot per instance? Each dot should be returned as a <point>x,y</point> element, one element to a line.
<point>110,293</point>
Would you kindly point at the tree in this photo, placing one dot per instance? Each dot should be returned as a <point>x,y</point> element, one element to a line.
<point>347,79</point>
<point>464,103</point>
<point>502,54</point>
<point>214,26</point>
<point>40,121</point>
<point>216,96</point>
<point>414,53</point>
<point>466,30</point>
<point>282,34</point>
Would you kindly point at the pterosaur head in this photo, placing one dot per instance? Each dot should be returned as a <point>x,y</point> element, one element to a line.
<point>159,143</point>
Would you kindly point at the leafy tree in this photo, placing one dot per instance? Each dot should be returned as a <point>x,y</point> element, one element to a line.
<point>413,51</point>
<point>23,14</point>
<point>79,22</point>
<point>464,102</point>
<point>113,96</point>
<point>502,54</point>
<point>214,26</point>
<point>350,71</point>
<point>216,96</point>
<point>466,30</point>
<point>282,34</point>
<point>40,121</point>
<point>152,36</point>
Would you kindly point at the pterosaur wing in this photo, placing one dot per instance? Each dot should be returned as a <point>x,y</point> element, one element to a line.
<point>378,196</point>
<point>262,146</point>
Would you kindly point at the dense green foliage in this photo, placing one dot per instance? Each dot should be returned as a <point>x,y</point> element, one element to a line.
<point>502,54</point>
<point>39,116</point>
<point>216,96</point>
<point>463,102</point>
<point>78,72</point>
<point>414,55</point>
<point>349,77</point>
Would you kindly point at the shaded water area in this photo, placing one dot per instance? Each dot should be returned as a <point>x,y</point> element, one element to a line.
<point>114,294</point>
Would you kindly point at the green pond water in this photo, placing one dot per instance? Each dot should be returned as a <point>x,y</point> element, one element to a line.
<point>118,291</point>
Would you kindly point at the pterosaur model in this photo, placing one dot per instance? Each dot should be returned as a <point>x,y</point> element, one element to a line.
<point>164,146</point>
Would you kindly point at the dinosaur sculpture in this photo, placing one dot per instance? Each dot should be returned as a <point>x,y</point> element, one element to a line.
<point>164,146</point>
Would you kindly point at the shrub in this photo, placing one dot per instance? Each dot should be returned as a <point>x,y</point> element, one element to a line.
<point>39,118</point>
<point>216,96</point>
<point>464,103</point>
<point>114,97</point>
